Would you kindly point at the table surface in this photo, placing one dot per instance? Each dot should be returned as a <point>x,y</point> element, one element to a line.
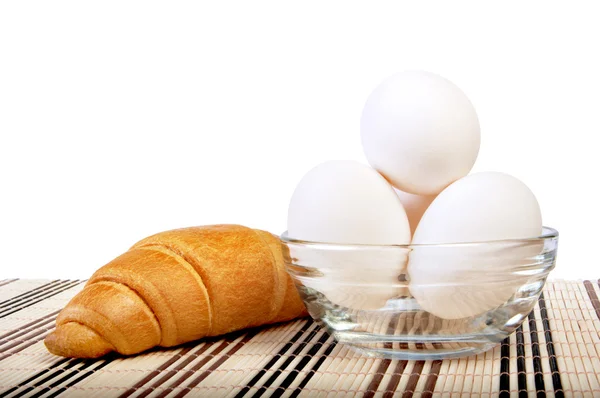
<point>554,353</point>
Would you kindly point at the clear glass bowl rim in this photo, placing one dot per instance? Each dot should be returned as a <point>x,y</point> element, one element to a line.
<point>547,233</point>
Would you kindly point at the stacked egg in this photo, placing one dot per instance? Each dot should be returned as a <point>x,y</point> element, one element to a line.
<point>421,137</point>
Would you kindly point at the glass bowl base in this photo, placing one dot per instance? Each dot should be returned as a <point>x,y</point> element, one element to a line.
<point>403,331</point>
<point>401,349</point>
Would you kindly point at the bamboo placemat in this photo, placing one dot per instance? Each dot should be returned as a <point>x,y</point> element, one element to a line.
<point>554,353</point>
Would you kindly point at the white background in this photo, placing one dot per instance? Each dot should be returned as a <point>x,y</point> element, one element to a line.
<point>122,119</point>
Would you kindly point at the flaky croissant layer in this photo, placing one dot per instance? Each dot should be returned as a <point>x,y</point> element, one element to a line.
<point>178,286</point>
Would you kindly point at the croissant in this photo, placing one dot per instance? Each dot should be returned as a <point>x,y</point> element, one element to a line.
<point>178,286</point>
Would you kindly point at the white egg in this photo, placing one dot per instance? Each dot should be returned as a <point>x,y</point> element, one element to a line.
<point>420,131</point>
<point>457,281</point>
<point>415,206</point>
<point>346,202</point>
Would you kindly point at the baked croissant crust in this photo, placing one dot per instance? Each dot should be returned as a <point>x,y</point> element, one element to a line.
<point>178,286</point>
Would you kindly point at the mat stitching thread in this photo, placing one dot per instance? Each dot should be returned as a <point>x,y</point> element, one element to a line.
<point>314,389</point>
<point>245,370</point>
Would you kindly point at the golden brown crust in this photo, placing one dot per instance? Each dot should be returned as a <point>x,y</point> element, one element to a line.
<point>170,287</point>
<point>294,307</point>
<point>72,339</point>
<point>235,268</point>
<point>279,272</point>
<point>178,286</point>
<point>116,313</point>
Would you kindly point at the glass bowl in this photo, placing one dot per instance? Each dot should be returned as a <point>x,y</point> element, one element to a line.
<point>421,301</point>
